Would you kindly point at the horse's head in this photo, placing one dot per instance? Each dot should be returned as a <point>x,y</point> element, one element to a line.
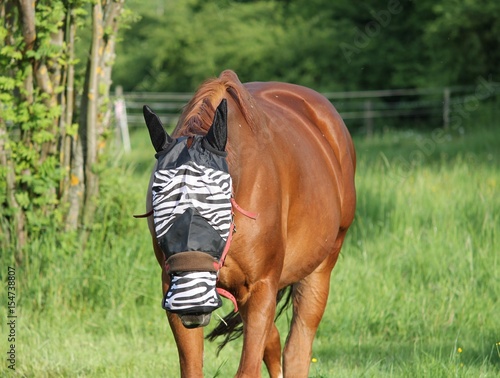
<point>191,195</point>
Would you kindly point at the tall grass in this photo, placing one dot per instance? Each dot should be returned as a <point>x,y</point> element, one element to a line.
<point>419,276</point>
<point>415,292</point>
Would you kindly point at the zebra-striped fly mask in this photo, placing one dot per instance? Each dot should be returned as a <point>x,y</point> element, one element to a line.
<point>191,195</point>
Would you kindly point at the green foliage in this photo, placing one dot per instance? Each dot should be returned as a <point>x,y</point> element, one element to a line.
<point>328,45</point>
<point>36,124</point>
<point>31,127</point>
<point>463,38</point>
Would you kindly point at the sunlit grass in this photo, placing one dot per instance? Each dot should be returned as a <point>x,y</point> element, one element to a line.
<point>415,292</point>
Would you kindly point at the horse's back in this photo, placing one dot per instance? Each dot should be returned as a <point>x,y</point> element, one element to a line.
<point>312,170</point>
<point>308,114</point>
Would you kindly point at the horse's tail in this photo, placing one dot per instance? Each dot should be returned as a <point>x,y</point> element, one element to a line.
<point>231,326</point>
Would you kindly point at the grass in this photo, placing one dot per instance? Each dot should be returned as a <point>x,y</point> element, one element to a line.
<point>415,292</point>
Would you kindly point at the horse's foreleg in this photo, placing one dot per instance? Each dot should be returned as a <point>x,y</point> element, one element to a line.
<point>309,301</point>
<point>258,321</point>
<point>272,353</point>
<point>189,343</point>
<point>189,346</point>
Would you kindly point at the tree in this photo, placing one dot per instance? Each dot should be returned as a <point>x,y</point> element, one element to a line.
<point>463,41</point>
<point>49,152</point>
<point>324,44</point>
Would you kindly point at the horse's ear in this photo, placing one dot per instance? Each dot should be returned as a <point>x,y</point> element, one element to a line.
<point>217,134</point>
<point>157,133</point>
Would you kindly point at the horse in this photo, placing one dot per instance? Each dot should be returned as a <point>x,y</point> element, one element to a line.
<point>276,162</point>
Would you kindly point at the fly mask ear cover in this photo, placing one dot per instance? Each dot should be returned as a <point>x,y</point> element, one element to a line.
<point>192,216</point>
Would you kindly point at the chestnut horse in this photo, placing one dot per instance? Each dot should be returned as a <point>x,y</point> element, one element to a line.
<point>287,156</point>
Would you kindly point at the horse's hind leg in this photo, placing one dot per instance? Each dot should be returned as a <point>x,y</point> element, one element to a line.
<point>309,300</point>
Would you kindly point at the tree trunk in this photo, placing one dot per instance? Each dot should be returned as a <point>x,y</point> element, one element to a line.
<point>15,231</point>
<point>71,154</point>
<point>96,110</point>
<point>90,98</point>
<point>49,161</point>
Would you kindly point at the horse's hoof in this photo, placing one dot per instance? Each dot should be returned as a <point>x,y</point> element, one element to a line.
<point>195,320</point>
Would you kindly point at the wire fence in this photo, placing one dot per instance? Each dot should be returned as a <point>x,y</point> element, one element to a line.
<point>363,111</point>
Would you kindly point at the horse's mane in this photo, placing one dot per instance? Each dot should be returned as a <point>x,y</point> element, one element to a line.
<point>198,114</point>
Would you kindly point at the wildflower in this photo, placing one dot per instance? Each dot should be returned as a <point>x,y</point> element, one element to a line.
<point>314,359</point>
<point>459,350</point>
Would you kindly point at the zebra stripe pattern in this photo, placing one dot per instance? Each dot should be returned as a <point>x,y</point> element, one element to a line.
<point>192,292</point>
<point>192,186</point>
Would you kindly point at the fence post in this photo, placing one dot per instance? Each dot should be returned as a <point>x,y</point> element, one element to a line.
<point>368,116</point>
<point>121,118</point>
<point>446,108</point>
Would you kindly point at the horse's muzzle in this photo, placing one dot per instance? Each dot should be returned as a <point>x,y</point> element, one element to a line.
<point>192,293</point>
<point>195,320</point>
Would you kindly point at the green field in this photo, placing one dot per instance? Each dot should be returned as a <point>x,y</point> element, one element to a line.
<point>415,292</point>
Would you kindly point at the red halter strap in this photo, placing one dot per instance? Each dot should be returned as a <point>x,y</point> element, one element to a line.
<point>250,215</point>
<point>246,213</point>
